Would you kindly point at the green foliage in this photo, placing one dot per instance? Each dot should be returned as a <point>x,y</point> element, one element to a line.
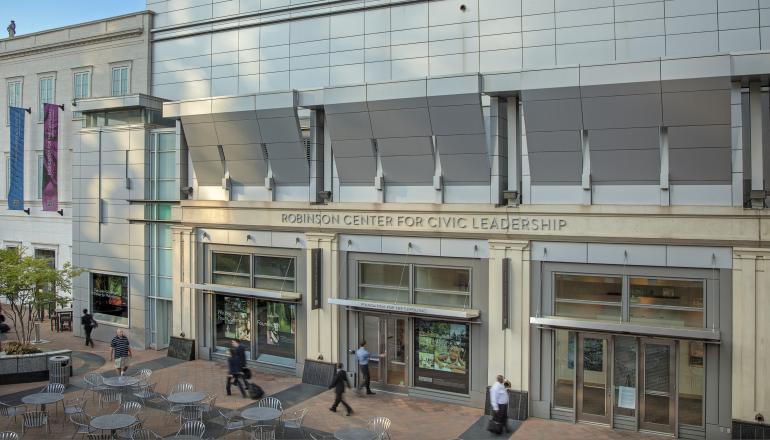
<point>17,348</point>
<point>29,283</point>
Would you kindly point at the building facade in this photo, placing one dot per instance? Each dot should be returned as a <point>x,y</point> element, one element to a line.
<point>569,193</point>
<point>60,66</point>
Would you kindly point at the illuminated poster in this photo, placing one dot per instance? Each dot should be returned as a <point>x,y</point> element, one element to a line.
<point>109,297</point>
<point>441,355</point>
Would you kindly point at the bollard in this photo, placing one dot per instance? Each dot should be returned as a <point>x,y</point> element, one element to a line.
<point>37,333</point>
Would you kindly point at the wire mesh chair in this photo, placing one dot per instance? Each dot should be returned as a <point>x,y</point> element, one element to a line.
<point>320,436</point>
<point>262,432</point>
<point>270,402</point>
<point>131,408</point>
<point>143,374</point>
<point>109,395</point>
<point>190,413</point>
<point>74,406</point>
<point>35,419</point>
<point>82,422</point>
<point>9,435</point>
<point>194,429</point>
<point>379,426</point>
<point>9,411</point>
<point>293,420</point>
<point>233,421</point>
<point>99,436</point>
<point>144,391</point>
<point>57,388</point>
<point>182,388</point>
<point>94,383</point>
<point>145,434</point>
<point>207,405</point>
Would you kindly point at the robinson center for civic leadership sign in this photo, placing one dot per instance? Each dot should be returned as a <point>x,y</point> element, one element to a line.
<point>499,223</point>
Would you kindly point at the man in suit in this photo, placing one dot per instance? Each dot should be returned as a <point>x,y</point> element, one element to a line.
<point>339,384</point>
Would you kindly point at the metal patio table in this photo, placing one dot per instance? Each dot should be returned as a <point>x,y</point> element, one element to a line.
<point>260,414</point>
<point>113,422</point>
<point>121,381</point>
<point>354,434</point>
<point>186,397</point>
<point>42,399</point>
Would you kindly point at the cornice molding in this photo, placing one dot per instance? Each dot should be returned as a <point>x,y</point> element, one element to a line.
<point>112,36</point>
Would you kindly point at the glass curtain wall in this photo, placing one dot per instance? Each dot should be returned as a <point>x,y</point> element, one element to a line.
<point>162,187</point>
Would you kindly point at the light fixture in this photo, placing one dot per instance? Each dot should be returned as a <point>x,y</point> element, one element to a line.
<point>27,210</point>
<point>74,102</point>
<point>325,195</point>
<point>511,197</point>
<point>61,212</point>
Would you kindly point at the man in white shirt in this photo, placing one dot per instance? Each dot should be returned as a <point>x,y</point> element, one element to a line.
<point>498,398</point>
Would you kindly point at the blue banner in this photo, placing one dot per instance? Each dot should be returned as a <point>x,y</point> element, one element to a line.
<point>16,192</point>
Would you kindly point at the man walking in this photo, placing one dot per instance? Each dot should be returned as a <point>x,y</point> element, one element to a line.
<point>235,372</point>
<point>339,384</point>
<point>498,398</point>
<point>88,323</point>
<point>362,355</point>
<point>120,352</point>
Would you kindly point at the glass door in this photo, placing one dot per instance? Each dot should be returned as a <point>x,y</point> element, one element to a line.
<point>593,374</point>
<point>372,330</point>
<point>658,381</point>
<point>396,351</point>
<point>386,339</point>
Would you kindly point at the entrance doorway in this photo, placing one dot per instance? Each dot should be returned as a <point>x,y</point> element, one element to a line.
<point>593,378</point>
<point>386,338</point>
<point>658,380</point>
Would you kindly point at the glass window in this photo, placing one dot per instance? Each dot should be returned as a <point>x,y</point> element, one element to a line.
<point>588,296</point>
<point>233,322</point>
<point>442,286</point>
<point>624,375</point>
<point>109,298</point>
<point>667,302</point>
<point>277,330</point>
<point>119,81</point>
<point>564,374</point>
<point>691,382</point>
<point>14,96</point>
<point>231,269</point>
<point>82,89</point>
<point>163,183</point>
<point>124,117</point>
<point>384,282</point>
<point>441,355</point>
<point>274,273</point>
<point>160,260</point>
<point>46,96</point>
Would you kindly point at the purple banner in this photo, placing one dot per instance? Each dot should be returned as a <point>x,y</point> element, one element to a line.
<point>50,158</point>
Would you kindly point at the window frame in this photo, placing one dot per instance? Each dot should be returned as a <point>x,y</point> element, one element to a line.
<point>155,152</point>
<point>119,66</point>
<point>15,82</point>
<point>88,73</point>
<point>412,281</point>
<point>128,297</point>
<point>40,98</point>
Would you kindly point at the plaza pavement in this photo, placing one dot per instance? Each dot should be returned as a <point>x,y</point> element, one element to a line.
<point>412,418</point>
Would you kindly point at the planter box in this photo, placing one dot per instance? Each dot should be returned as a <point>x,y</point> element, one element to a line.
<point>24,368</point>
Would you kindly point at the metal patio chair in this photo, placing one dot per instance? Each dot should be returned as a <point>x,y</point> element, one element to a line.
<point>379,426</point>
<point>232,421</point>
<point>145,434</point>
<point>144,392</point>
<point>182,388</point>
<point>99,436</point>
<point>109,395</point>
<point>9,435</point>
<point>270,402</point>
<point>262,432</point>
<point>53,388</point>
<point>191,413</point>
<point>293,420</point>
<point>94,383</point>
<point>82,422</point>
<point>194,429</point>
<point>35,419</point>
<point>74,406</point>
<point>9,411</point>
<point>130,408</point>
<point>208,404</point>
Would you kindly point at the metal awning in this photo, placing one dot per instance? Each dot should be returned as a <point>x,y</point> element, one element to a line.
<point>245,291</point>
<point>706,335</point>
<point>408,309</point>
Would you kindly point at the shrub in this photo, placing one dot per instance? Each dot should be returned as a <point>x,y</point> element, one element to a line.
<point>19,348</point>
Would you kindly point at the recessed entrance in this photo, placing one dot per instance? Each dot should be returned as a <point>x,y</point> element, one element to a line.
<point>387,341</point>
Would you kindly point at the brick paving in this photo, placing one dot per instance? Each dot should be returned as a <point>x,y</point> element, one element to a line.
<point>432,420</point>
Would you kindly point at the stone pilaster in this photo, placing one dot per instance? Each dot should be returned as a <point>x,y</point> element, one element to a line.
<point>509,348</point>
<point>323,324</point>
<point>185,307</point>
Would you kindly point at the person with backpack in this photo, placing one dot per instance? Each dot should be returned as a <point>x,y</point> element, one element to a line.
<point>89,323</point>
<point>234,372</point>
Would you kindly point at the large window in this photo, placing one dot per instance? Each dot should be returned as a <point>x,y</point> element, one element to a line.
<point>276,335</point>
<point>14,97</point>
<point>109,298</point>
<point>46,95</point>
<point>666,302</point>
<point>441,355</point>
<point>232,320</point>
<point>231,269</point>
<point>268,272</point>
<point>163,167</point>
<point>564,369</point>
<point>120,81</point>
<point>432,285</point>
<point>81,85</point>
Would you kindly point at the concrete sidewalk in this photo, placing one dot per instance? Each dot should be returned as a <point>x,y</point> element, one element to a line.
<point>412,418</point>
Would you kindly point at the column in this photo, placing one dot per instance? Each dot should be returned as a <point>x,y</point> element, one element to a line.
<point>323,324</point>
<point>757,163</point>
<point>317,166</point>
<point>498,136</point>
<point>509,348</point>
<point>751,333</point>
<point>185,314</point>
<point>514,146</point>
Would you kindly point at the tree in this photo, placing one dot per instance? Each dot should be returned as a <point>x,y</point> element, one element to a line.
<point>29,284</point>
